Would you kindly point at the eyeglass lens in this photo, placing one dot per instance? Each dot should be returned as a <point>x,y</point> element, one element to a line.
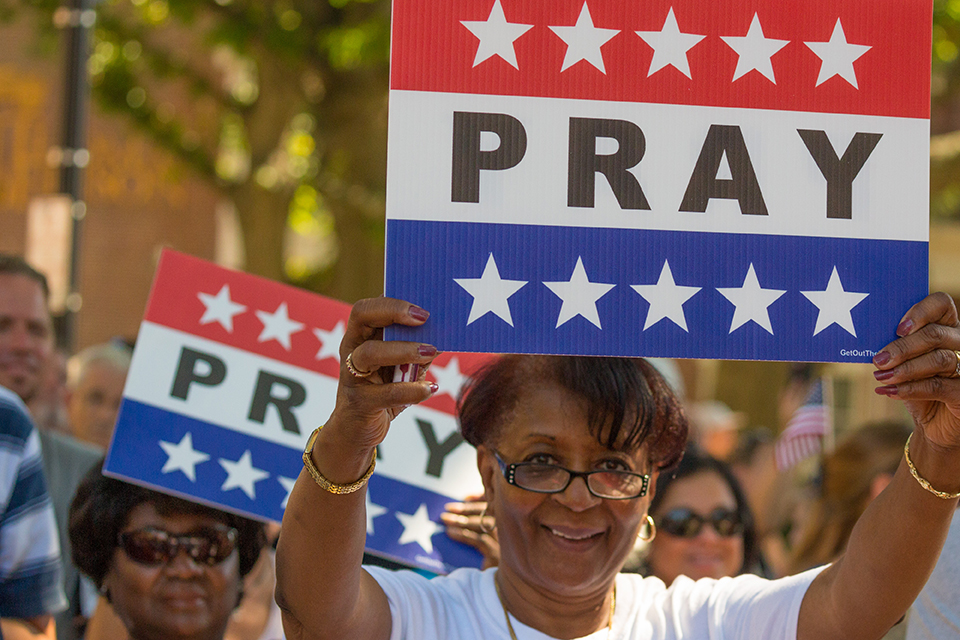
<point>684,523</point>
<point>151,546</point>
<point>548,478</point>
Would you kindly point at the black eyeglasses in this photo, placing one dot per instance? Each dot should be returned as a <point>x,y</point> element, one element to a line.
<point>684,523</point>
<point>151,546</point>
<point>552,478</point>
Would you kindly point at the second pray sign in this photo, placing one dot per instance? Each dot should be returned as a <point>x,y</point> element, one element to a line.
<point>736,180</point>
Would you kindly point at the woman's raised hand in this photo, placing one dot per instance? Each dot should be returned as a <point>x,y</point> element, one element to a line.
<point>922,368</point>
<point>367,397</point>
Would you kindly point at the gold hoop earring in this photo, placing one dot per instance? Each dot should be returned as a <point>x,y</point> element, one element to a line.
<point>651,529</point>
<point>483,514</point>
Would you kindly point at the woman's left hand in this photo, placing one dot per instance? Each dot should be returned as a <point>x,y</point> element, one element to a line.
<point>468,522</point>
<point>922,368</point>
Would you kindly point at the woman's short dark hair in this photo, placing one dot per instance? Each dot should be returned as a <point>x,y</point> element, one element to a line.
<point>102,506</point>
<point>628,402</point>
<point>695,462</point>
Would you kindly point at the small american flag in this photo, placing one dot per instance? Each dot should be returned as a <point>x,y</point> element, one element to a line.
<point>807,428</point>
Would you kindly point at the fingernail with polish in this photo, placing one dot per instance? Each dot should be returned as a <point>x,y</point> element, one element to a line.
<point>889,390</point>
<point>434,387</point>
<point>882,375</point>
<point>881,358</point>
<point>427,350</point>
<point>904,328</point>
<point>417,313</point>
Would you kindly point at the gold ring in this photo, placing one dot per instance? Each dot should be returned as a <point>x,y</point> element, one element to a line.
<point>357,373</point>
<point>956,374</point>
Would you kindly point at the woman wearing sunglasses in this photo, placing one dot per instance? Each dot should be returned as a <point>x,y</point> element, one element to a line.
<point>169,567</point>
<point>704,525</point>
<point>568,449</point>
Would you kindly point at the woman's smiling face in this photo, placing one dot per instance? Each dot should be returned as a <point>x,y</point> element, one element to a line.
<point>706,554</point>
<point>569,542</point>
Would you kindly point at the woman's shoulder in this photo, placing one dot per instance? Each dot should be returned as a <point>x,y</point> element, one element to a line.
<point>465,584</point>
<point>440,607</point>
<point>747,606</point>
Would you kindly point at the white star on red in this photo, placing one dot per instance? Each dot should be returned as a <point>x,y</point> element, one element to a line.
<point>584,41</point>
<point>449,378</point>
<point>220,308</point>
<point>496,36</point>
<point>754,51</point>
<point>837,56</point>
<point>670,46</point>
<point>278,326</point>
<point>330,341</point>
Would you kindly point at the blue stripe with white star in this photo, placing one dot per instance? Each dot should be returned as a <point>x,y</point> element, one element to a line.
<point>195,462</point>
<point>453,258</point>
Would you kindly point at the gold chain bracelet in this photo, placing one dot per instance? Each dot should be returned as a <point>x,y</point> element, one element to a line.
<point>332,487</point>
<point>923,483</point>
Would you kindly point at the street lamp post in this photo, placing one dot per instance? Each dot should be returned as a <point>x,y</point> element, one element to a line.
<point>78,17</point>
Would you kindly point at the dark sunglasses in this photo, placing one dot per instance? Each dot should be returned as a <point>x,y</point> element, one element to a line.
<point>552,478</point>
<point>684,523</point>
<point>150,546</point>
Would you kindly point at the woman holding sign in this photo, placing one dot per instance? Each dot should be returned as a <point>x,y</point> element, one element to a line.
<point>568,449</point>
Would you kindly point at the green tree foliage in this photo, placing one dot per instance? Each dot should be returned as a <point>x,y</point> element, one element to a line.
<point>282,104</point>
<point>945,87</point>
<point>279,103</point>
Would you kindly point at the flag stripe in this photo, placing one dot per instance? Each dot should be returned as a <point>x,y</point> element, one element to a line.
<point>135,458</point>
<point>174,303</point>
<point>889,195</point>
<point>803,435</point>
<point>632,257</point>
<point>155,365</point>
<point>433,51</point>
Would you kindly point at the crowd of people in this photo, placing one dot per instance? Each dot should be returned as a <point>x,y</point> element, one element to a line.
<point>605,513</point>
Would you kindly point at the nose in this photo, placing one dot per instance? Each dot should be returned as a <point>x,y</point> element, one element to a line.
<point>577,496</point>
<point>708,533</point>
<point>183,565</point>
<point>18,338</point>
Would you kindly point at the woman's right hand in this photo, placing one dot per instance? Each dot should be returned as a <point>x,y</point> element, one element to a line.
<point>366,404</point>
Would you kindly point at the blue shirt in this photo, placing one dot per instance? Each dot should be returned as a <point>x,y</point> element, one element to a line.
<point>30,569</point>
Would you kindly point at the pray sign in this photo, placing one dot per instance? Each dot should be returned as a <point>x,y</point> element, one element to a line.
<point>722,179</point>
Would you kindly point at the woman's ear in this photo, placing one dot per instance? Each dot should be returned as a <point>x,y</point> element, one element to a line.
<point>652,489</point>
<point>488,467</point>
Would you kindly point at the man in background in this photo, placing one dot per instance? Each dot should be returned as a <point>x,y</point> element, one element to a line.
<point>26,346</point>
<point>95,379</point>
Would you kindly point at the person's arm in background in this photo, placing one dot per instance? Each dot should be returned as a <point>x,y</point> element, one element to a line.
<point>896,543</point>
<point>104,624</point>
<point>468,522</point>
<point>39,628</point>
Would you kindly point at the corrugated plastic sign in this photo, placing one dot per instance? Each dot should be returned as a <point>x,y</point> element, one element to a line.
<point>695,178</point>
<point>230,375</point>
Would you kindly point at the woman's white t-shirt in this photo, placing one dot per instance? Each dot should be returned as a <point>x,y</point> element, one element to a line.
<point>464,606</point>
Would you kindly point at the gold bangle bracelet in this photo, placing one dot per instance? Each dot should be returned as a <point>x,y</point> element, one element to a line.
<point>923,483</point>
<point>332,487</point>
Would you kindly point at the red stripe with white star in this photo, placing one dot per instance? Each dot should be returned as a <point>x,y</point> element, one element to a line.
<point>273,320</point>
<point>766,54</point>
